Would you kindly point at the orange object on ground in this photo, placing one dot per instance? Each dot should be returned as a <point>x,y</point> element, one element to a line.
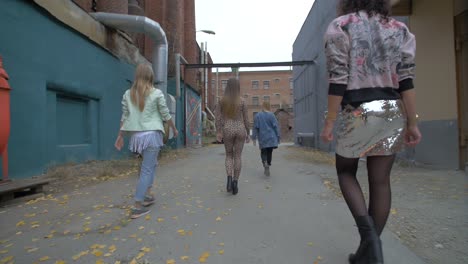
<point>4,119</point>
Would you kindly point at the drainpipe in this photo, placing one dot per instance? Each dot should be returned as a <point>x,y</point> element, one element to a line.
<point>149,27</point>
<point>178,59</point>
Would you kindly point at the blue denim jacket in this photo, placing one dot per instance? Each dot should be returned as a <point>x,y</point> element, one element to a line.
<point>266,130</point>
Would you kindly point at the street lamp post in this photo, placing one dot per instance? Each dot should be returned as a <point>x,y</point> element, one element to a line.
<point>204,60</point>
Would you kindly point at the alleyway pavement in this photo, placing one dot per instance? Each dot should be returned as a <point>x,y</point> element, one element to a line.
<point>291,217</point>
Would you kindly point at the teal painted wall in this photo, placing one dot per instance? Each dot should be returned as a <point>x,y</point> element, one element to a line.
<point>66,97</point>
<point>66,91</point>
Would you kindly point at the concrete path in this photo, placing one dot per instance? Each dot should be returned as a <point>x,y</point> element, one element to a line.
<point>289,217</point>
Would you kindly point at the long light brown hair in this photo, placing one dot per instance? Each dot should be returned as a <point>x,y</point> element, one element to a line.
<point>231,100</point>
<point>142,85</point>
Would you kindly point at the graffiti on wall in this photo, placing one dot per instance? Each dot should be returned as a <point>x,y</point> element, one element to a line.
<point>193,118</point>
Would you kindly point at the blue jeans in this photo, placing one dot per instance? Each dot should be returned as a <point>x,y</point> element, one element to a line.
<point>147,172</point>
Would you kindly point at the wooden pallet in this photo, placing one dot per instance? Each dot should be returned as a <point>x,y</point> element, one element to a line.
<point>21,189</point>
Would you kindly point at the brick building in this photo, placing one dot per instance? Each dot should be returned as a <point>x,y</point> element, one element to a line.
<point>176,17</point>
<point>257,87</point>
<point>68,73</point>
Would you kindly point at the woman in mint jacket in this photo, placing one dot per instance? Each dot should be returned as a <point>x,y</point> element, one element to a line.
<point>144,110</point>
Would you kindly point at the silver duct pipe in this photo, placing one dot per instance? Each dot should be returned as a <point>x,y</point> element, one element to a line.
<point>149,27</point>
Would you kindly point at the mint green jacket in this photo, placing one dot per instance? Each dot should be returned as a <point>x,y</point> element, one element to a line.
<point>152,116</point>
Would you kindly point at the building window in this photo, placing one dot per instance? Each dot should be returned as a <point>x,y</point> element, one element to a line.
<point>277,95</point>
<point>246,96</point>
<point>213,84</point>
<point>291,83</point>
<point>255,100</point>
<point>277,80</point>
<point>254,84</point>
<point>254,114</point>
<point>266,98</point>
<point>266,84</point>
<point>224,84</point>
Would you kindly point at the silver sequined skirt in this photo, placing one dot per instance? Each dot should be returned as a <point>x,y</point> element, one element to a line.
<point>372,129</point>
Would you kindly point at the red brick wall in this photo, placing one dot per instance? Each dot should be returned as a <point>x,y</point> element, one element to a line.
<point>176,17</point>
<point>112,6</point>
<point>85,4</point>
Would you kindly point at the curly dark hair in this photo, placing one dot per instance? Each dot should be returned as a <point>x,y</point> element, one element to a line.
<point>372,7</point>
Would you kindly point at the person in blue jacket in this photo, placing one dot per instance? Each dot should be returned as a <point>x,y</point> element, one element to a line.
<point>266,130</point>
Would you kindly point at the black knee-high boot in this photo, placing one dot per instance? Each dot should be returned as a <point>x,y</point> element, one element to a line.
<point>370,248</point>
<point>229,184</point>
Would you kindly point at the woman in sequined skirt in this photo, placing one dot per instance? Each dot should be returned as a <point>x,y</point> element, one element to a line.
<point>144,110</point>
<point>370,60</point>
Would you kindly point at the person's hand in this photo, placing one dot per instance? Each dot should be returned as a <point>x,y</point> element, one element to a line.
<point>412,136</point>
<point>176,132</point>
<point>119,142</point>
<point>327,132</point>
<point>219,137</point>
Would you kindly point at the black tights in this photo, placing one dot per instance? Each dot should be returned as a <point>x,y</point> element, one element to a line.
<point>380,196</point>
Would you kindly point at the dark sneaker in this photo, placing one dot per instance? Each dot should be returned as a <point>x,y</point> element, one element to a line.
<point>267,170</point>
<point>149,200</point>
<point>138,212</point>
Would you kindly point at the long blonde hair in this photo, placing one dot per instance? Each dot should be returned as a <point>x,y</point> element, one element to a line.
<point>142,85</point>
<point>231,100</point>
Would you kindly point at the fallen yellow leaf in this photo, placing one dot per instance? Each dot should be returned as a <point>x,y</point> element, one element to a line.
<point>181,232</point>
<point>140,255</point>
<point>99,261</point>
<point>152,232</point>
<point>44,258</point>
<point>30,215</point>
<point>218,219</point>
<point>221,244</point>
<point>204,257</point>
<point>97,253</point>
<point>20,223</point>
<point>160,220</point>
<point>107,255</point>
<point>221,252</point>
<point>112,249</point>
<point>6,259</point>
<point>66,232</point>
<point>170,261</point>
<point>117,227</point>
<point>141,228</point>
<point>145,249</point>
<point>393,211</point>
<point>32,250</point>
<point>140,239</point>
<point>60,262</point>
<point>133,236</point>
<point>148,217</point>
<point>3,251</point>
<point>49,236</point>
<point>310,244</point>
<point>118,262</point>
<point>184,258</point>
<point>133,261</point>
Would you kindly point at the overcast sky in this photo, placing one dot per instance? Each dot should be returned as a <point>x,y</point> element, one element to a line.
<point>250,30</point>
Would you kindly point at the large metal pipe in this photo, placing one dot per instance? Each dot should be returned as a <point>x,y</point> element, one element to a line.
<point>153,30</point>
